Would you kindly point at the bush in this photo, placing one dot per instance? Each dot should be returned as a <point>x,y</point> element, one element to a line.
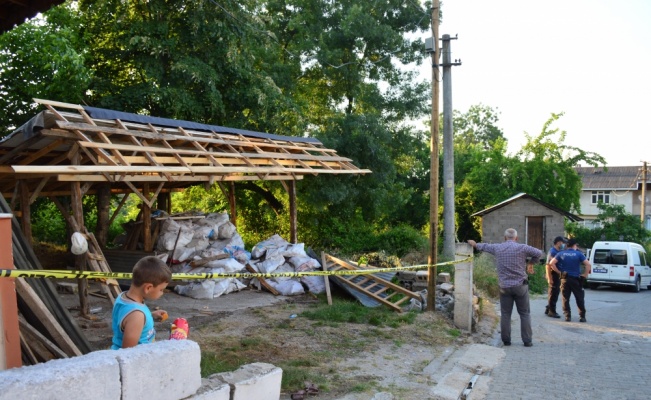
<point>485,275</point>
<point>401,240</point>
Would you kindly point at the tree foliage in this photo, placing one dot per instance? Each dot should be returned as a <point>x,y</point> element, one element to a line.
<point>333,70</point>
<point>42,58</point>
<point>616,224</point>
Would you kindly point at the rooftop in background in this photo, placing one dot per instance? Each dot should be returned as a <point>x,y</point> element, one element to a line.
<point>15,12</point>
<point>610,178</point>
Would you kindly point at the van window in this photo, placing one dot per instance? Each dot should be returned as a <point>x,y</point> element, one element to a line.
<point>605,256</point>
<point>618,257</point>
<point>643,260</point>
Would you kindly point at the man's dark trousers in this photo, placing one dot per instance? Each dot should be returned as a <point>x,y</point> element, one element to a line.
<point>520,296</point>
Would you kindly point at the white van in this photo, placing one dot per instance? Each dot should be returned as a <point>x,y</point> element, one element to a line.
<point>619,264</point>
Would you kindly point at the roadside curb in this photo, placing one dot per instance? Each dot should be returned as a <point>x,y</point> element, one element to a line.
<point>468,368</point>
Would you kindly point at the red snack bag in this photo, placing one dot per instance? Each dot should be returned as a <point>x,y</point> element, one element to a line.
<point>180,329</point>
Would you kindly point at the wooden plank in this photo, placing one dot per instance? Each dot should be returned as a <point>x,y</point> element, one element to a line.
<point>30,330</point>
<point>27,351</point>
<point>141,131</point>
<point>204,261</point>
<point>183,178</point>
<point>58,104</point>
<point>35,304</point>
<point>234,153</point>
<point>263,282</point>
<point>326,278</point>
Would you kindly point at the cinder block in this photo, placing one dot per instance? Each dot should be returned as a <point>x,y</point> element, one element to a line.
<point>163,370</point>
<point>443,277</point>
<point>257,381</point>
<point>92,376</point>
<point>212,389</point>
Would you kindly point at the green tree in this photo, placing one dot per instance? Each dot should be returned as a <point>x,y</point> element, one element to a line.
<point>42,58</point>
<point>546,170</point>
<point>616,224</point>
<point>480,166</point>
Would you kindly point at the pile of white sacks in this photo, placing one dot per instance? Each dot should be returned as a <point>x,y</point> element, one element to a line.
<point>192,240</point>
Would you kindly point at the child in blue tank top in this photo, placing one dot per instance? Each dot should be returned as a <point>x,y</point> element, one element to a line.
<point>133,322</point>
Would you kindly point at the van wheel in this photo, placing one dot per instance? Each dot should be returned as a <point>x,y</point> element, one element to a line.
<point>637,286</point>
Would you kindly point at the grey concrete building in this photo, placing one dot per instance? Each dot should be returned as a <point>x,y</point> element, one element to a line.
<point>537,222</point>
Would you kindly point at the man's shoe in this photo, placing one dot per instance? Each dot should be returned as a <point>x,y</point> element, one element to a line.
<point>553,315</point>
<point>528,344</point>
<point>568,319</point>
<point>507,343</point>
<point>546,310</point>
<point>582,319</point>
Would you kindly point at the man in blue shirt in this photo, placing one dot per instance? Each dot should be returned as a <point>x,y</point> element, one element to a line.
<point>568,264</point>
<point>512,269</point>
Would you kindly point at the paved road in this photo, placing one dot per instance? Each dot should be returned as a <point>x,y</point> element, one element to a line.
<point>609,357</point>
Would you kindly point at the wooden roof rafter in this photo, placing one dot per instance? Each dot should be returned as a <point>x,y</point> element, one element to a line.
<point>129,150</point>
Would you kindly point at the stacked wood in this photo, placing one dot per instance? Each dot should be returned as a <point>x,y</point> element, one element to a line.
<point>47,328</point>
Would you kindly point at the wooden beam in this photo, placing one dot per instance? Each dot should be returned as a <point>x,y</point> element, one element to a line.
<point>26,215</point>
<point>146,220</point>
<point>92,169</point>
<point>36,305</point>
<point>293,220</point>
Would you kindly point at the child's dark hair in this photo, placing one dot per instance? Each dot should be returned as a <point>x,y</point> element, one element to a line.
<point>151,269</point>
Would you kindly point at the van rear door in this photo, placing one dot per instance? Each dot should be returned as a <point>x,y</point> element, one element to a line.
<point>620,269</point>
<point>601,264</point>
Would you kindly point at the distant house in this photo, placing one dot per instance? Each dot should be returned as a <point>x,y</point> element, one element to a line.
<point>537,222</point>
<point>613,185</point>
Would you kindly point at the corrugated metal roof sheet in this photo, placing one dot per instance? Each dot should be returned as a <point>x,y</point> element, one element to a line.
<point>609,178</point>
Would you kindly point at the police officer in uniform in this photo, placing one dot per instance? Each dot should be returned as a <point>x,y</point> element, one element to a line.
<point>553,278</point>
<point>568,264</point>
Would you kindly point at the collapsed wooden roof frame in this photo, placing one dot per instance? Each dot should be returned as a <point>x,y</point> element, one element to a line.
<point>70,153</point>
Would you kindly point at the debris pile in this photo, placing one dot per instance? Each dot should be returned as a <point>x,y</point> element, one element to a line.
<point>211,244</point>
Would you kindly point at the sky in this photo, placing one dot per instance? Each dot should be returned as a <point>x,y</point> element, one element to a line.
<point>590,59</point>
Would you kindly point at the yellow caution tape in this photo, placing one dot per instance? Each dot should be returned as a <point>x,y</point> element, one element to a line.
<point>54,274</point>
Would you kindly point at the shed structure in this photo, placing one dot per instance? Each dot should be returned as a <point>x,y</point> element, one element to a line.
<point>537,222</point>
<point>68,151</point>
<point>75,150</point>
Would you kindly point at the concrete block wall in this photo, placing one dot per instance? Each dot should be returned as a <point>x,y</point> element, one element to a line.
<point>257,381</point>
<point>166,370</point>
<point>92,376</point>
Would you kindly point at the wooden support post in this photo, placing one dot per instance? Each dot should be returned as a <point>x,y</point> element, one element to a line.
<point>147,242</point>
<point>9,333</point>
<point>26,214</point>
<point>103,212</point>
<point>293,220</point>
<point>80,260</point>
<point>232,204</point>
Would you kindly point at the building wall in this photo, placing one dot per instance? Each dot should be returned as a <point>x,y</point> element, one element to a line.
<point>619,197</point>
<point>514,215</point>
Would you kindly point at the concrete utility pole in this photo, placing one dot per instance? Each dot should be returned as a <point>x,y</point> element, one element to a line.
<point>449,226</point>
<point>434,163</point>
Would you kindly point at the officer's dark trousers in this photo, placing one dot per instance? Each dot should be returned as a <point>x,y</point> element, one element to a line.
<point>571,285</point>
<point>553,291</point>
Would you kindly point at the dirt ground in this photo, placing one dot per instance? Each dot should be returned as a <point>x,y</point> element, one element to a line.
<point>355,360</point>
